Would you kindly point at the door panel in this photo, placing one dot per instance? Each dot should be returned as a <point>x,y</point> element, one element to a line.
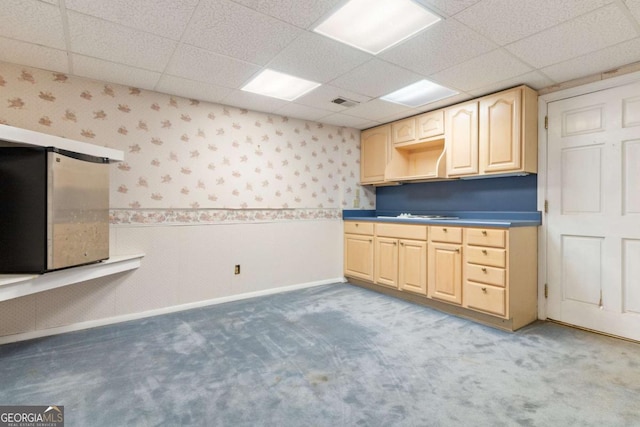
<point>581,180</point>
<point>631,268</point>
<point>582,268</point>
<point>593,223</point>
<point>631,176</point>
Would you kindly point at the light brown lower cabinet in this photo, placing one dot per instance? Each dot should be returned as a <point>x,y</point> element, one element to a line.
<point>400,257</point>
<point>486,274</point>
<point>358,250</point>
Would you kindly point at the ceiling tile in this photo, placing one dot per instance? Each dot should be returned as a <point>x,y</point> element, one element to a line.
<point>482,71</point>
<point>98,69</point>
<point>321,98</point>
<point>376,78</point>
<point>535,80</point>
<point>596,62</point>
<point>202,65</point>
<point>442,103</point>
<point>167,18</point>
<point>448,7</point>
<point>33,55</point>
<point>594,31</point>
<point>253,101</point>
<point>376,109</point>
<point>505,21</point>
<point>338,119</point>
<point>318,58</point>
<point>301,13</point>
<point>441,46</point>
<point>191,89</point>
<point>234,30</point>
<point>32,21</point>
<point>302,112</point>
<point>105,40</point>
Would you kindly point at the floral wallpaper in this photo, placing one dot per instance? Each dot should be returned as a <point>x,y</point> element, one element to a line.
<point>183,154</point>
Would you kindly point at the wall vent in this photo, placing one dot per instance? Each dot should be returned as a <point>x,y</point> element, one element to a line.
<point>344,102</point>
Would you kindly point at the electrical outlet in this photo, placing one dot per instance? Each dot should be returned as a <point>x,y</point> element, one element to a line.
<point>237,269</point>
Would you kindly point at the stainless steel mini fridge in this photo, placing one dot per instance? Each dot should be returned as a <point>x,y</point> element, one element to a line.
<point>54,209</point>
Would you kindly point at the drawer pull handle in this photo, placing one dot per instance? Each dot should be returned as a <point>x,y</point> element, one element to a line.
<point>484,270</point>
<point>484,290</point>
<point>484,251</point>
<point>484,232</point>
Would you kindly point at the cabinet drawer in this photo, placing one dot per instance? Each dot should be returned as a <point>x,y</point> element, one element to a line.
<point>446,234</point>
<point>402,231</point>
<point>353,227</point>
<point>485,298</point>
<point>482,274</point>
<point>486,237</point>
<point>486,256</point>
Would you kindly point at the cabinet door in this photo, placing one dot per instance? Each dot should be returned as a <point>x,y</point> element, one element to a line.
<point>461,139</point>
<point>445,272</point>
<point>430,124</point>
<point>500,136</point>
<point>358,256</point>
<point>412,274</point>
<point>374,154</point>
<point>403,131</point>
<point>386,262</point>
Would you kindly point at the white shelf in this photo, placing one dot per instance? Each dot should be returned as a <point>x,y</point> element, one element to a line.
<point>19,285</point>
<point>28,137</point>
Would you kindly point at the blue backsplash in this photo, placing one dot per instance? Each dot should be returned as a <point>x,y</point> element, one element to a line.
<point>515,194</point>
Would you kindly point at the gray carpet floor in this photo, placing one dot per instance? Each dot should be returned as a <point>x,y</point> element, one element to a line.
<point>334,355</point>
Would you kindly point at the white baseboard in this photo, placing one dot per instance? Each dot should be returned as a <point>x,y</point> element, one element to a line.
<point>165,310</point>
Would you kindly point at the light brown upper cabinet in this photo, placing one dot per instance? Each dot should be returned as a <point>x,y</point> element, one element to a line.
<point>461,139</point>
<point>417,129</point>
<point>375,144</point>
<point>429,125</point>
<point>496,134</point>
<point>403,131</point>
<point>508,132</point>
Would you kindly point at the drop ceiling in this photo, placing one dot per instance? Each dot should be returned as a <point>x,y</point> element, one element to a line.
<point>208,49</point>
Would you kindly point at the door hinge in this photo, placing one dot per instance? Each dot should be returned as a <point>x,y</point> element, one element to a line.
<point>546,290</point>
<point>546,206</point>
<point>546,122</point>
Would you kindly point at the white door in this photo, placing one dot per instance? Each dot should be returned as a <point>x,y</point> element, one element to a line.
<point>593,223</point>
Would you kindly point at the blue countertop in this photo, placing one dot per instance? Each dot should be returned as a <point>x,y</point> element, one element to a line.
<point>465,218</point>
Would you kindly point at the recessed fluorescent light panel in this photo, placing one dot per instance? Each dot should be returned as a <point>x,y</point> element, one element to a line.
<point>419,93</point>
<point>279,85</point>
<point>376,25</point>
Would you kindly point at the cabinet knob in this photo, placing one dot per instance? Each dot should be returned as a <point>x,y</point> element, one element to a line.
<point>395,243</point>
<point>484,270</point>
<point>444,229</point>
<point>484,251</point>
<point>484,290</point>
<point>401,244</point>
<point>484,232</point>
<point>357,224</point>
<point>457,251</point>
